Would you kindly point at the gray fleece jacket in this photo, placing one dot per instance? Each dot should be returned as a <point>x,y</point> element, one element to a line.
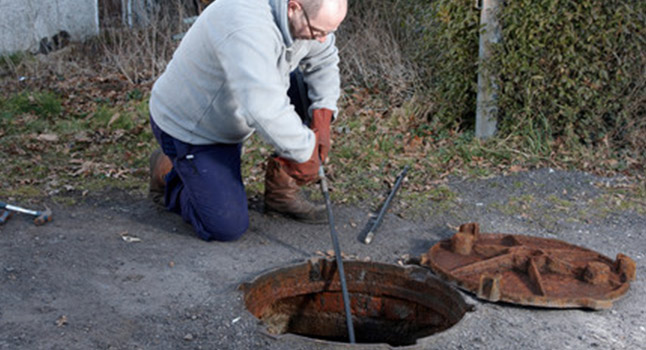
<point>230,74</point>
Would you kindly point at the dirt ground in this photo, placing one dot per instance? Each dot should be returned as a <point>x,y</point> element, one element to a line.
<point>76,283</point>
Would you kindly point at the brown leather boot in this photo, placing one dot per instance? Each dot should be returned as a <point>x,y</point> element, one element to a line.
<point>284,196</point>
<point>160,165</point>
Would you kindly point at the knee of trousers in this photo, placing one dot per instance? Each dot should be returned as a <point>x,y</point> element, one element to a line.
<point>223,228</point>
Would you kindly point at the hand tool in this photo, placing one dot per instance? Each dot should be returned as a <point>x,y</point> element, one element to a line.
<point>4,216</point>
<point>337,254</point>
<point>371,234</point>
<point>42,217</point>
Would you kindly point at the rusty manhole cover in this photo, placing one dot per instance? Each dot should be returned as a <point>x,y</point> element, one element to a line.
<point>390,304</point>
<point>529,270</point>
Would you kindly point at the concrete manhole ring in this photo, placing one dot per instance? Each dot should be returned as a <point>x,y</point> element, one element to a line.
<point>390,304</point>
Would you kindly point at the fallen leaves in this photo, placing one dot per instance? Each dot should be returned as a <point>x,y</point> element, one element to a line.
<point>75,109</point>
<point>373,135</point>
<point>114,118</point>
<point>91,168</point>
<point>128,238</point>
<point>61,321</point>
<point>14,149</point>
<point>47,137</point>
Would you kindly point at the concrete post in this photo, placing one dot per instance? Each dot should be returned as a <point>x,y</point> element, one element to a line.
<point>24,24</point>
<point>487,101</point>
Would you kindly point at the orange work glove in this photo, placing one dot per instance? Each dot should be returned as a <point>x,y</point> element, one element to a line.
<point>321,119</point>
<point>307,172</point>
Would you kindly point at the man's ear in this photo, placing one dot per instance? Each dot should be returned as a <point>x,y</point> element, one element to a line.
<point>293,6</point>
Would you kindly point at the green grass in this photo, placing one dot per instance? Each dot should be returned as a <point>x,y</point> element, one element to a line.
<point>47,148</point>
<point>560,203</point>
<point>43,104</point>
<point>107,146</point>
<point>113,142</point>
<point>26,191</point>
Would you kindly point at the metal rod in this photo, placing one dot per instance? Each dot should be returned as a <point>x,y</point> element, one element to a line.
<point>337,254</point>
<point>19,209</point>
<point>371,234</point>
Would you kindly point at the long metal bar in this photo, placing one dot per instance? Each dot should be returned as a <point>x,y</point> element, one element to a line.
<point>337,254</point>
<point>371,234</point>
<point>4,205</point>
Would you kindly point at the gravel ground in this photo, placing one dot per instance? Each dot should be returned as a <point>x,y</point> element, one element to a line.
<point>75,283</point>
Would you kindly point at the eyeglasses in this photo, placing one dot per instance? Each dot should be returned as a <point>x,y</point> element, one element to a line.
<point>319,33</point>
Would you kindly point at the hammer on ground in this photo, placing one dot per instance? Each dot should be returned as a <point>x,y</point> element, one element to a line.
<point>4,216</point>
<point>42,217</point>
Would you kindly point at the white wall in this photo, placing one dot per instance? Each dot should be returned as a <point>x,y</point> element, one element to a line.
<point>23,23</point>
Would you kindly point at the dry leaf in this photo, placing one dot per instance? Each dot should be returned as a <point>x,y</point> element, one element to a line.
<point>47,137</point>
<point>516,168</point>
<point>128,238</point>
<point>85,168</point>
<point>61,321</point>
<point>114,118</point>
<point>82,137</point>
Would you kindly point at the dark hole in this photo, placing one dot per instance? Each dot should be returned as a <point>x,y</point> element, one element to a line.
<point>389,304</point>
<point>390,320</point>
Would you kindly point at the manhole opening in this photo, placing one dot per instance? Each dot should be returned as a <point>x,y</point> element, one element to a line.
<point>390,304</point>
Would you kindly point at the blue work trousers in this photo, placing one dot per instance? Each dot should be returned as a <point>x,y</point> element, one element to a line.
<point>205,185</point>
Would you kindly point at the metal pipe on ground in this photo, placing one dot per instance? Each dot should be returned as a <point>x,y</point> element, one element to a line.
<point>371,234</point>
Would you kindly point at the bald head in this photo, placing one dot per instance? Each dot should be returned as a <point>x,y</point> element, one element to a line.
<point>315,19</point>
<point>332,6</point>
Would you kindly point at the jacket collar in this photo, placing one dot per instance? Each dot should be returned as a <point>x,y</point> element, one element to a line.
<point>279,10</point>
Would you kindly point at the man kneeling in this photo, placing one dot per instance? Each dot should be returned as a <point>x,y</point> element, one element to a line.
<point>269,66</point>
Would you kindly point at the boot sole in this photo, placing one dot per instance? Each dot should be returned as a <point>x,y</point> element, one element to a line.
<point>157,197</point>
<point>275,213</point>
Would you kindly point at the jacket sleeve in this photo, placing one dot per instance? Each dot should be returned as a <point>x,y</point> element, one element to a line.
<point>321,73</point>
<point>249,59</point>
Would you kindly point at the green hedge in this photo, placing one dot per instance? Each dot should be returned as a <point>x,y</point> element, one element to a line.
<point>573,65</point>
<point>448,55</point>
<point>569,69</point>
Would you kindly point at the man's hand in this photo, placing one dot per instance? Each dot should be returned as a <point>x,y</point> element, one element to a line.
<point>307,172</point>
<point>321,119</point>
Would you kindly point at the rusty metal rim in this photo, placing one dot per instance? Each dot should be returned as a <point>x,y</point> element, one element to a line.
<point>413,273</point>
